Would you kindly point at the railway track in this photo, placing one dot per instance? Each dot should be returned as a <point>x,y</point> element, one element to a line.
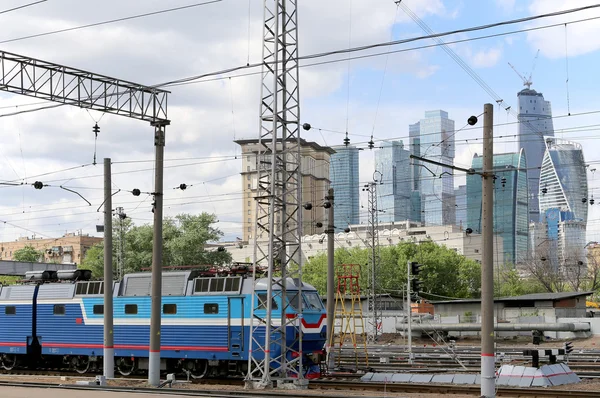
<point>450,389</point>
<point>323,387</point>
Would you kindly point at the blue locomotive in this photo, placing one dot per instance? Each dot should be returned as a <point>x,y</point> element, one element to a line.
<point>206,320</point>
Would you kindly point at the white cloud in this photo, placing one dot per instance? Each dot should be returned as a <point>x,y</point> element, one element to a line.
<point>582,38</point>
<point>506,5</point>
<point>205,116</point>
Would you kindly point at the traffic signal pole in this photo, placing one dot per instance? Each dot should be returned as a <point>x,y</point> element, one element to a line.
<point>409,313</point>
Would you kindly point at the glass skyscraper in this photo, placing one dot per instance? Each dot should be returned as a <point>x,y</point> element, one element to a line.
<point>433,138</point>
<point>510,202</point>
<point>563,191</point>
<point>535,122</point>
<point>344,176</point>
<point>460,197</point>
<point>393,162</point>
<point>414,131</point>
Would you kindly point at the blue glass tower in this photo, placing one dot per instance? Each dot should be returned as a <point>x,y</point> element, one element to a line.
<point>535,122</point>
<point>511,215</point>
<point>460,196</point>
<point>433,138</point>
<point>393,162</point>
<point>343,173</point>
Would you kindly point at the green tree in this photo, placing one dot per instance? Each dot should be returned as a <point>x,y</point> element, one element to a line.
<point>94,260</point>
<point>445,272</point>
<point>28,254</point>
<point>184,243</point>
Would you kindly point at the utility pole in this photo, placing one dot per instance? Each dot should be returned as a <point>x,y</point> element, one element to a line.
<point>121,258</point>
<point>330,275</point>
<point>488,376</point>
<point>157,250</point>
<point>409,313</point>
<point>109,351</point>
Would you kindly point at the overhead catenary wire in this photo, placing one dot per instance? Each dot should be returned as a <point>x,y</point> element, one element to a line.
<point>224,74</point>
<point>389,43</point>
<point>22,6</point>
<point>136,16</point>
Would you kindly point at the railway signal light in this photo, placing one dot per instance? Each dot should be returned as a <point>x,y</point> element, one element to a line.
<point>568,347</point>
<point>415,268</point>
<point>416,286</point>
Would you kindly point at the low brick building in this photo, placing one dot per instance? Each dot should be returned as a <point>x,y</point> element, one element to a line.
<point>68,249</point>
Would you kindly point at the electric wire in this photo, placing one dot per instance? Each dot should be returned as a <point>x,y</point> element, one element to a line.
<point>22,6</point>
<point>53,32</point>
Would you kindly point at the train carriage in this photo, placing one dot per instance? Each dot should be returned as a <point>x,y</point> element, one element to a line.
<point>205,324</point>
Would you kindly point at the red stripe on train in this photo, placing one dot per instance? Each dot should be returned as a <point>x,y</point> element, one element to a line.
<point>135,347</point>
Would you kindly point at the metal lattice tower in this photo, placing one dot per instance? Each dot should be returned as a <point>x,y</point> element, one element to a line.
<point>372,242</point>
<point>352,321</point>
<point>278,211</point>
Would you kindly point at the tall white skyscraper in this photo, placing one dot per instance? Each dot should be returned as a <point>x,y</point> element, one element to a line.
<point>535,123</point>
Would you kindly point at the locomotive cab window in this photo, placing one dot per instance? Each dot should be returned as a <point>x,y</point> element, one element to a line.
<point>295,300</point>
<point>210,308</point>
<point>131,309</point>
<point>170,309</point>
<point>98,309</point>
<point>10,310</point>
<point>313,300</point>
<point>59,309</point>
<point>262,302</point>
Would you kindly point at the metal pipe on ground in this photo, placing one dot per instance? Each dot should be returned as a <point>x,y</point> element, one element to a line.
<point>501,327</point>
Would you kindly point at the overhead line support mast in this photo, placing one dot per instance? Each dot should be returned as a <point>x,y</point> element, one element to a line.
<point>70,86</point>
<point>276,344</point>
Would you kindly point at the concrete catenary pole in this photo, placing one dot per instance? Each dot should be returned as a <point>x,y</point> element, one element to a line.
<point>408,314</point>
<point>157,250</point>
<point>330,273</point>
<point>109,352</point>
<point>488,378</point>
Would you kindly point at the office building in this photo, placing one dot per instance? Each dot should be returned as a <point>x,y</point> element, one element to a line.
<point>460,196</point>
<point>433,138</point>
<point>510,203</point>
<point>535,122</point>
<point>344,176</point>
<point>315,184</point>
<point>392,161</point>
<point>563,202</point>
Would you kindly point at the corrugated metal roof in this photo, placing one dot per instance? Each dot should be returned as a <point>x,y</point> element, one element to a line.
<point>525,297</point>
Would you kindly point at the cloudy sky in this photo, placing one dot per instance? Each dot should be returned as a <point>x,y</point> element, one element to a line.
<point>377,95</point>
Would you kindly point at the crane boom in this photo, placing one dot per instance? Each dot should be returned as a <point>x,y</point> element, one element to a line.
<point>526,82</point>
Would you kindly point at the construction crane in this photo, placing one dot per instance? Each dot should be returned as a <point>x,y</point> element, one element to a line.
<point>527,81</point>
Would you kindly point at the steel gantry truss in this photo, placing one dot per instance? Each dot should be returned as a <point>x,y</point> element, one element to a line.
<point>70,86</point>
<point>58,83</point>
<point>276,342</point>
